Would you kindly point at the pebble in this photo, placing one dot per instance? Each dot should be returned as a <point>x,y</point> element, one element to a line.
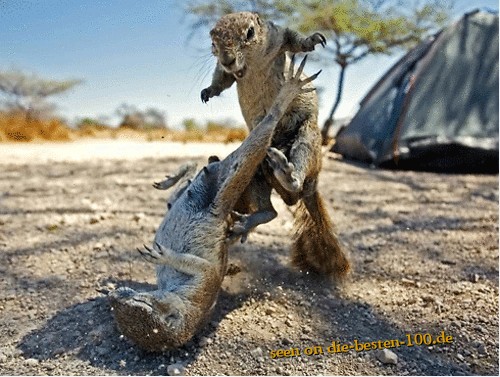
<point>286,341</point>
<point>386,356</point>
<point>270,311</point>
<point>94,220</point>
<point>3,358</point>
<point>474,278</point>
<point>481,349</point>
<point>407,281</point>
<point>428,298</point>
<point>138,216</point>
<point>175,370</point>
<point>257,352</point>
<point>205,341</point>
<point>31,362</point>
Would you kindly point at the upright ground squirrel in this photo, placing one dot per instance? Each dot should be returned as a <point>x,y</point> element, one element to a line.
<point>252,53</point>
<point>190,246</point>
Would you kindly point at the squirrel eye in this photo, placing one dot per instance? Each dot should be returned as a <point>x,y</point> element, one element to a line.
<point>250,33</point>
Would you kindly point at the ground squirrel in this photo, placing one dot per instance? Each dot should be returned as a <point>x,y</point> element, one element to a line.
<point>190,246</point>
<point>252,53</point>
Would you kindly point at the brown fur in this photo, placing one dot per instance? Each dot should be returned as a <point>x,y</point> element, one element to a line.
<point>252,53</point>
<point>190,246</point>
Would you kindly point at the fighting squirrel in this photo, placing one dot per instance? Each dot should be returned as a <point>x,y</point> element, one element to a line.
<point>252,53</point>
<point>190,246</point>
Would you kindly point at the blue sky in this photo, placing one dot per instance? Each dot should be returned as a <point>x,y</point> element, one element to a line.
<point>136,52</point>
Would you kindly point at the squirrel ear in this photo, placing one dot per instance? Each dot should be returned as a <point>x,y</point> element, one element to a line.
<point>257,18</point>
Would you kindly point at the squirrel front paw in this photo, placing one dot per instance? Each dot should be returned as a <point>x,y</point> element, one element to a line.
<point>241,226</point>
<point>313,40</point>
<point>206,94</point>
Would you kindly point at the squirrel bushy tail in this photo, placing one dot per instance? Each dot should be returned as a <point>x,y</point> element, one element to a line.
<point>316,247</point>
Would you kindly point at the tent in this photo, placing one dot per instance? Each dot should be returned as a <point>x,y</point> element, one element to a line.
<point>437,108</point>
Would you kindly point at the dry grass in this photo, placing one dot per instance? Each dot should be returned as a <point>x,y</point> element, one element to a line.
<point>17,128</point>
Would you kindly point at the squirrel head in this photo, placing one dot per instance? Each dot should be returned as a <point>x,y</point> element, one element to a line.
<point>237,37</point>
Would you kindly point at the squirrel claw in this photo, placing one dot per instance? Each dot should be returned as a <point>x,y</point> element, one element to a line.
<point>239,227</point>
<point>316,38</point>
<point>205,95</point>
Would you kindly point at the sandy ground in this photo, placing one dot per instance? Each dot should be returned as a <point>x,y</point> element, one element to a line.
<point>424,248</point>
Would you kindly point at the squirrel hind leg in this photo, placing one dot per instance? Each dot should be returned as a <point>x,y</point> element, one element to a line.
<point>284,171</point>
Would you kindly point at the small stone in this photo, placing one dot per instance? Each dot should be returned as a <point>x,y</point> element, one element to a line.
<point>111,286</point>
<point>480,329</point>
<point>270,311</point>
<point>175,370</point>
<point>448,262</point>
<point>386,356</point>
<point>460,357</point>
<point>205,341</point>
<point>306,329</point>
<point>122,363</point>
<point>407,281</point>
<point>139,216</point>
<point>286,341</point>
<point>31,362</point>
<point>474,278</point>
<point>257,352</point>
<point>3,358</point>
<point>428,298</point>
<point>289,323</point>
<point>481,349</point>
<point>94,220</point>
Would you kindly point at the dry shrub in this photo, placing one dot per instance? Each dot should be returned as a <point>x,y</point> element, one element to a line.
<point>18,127</point>
<point>236,134</point>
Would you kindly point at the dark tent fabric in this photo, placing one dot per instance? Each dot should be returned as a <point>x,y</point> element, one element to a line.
<point>437,108</point>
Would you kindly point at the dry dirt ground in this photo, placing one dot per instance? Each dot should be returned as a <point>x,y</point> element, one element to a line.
<point>424,248</point>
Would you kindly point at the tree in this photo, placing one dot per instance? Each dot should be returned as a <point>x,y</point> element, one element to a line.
<point>28,93</point>
<point>357,28</point>
<point>362,28</point>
